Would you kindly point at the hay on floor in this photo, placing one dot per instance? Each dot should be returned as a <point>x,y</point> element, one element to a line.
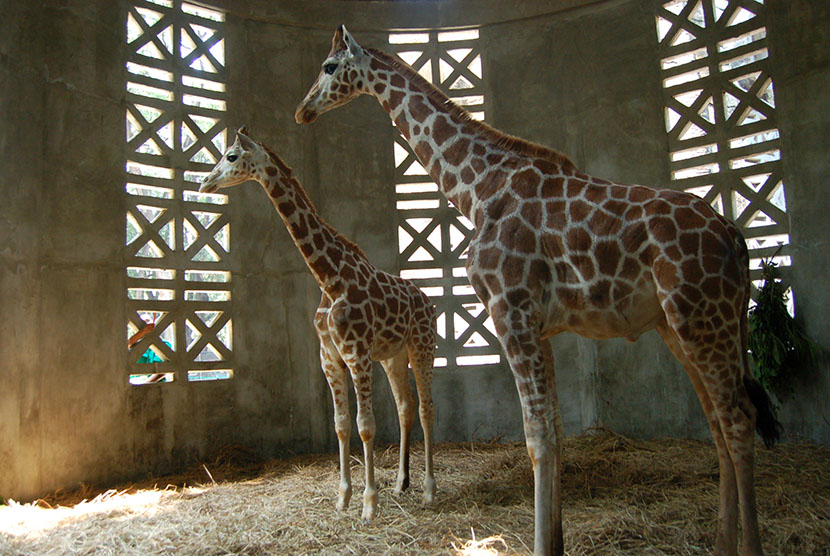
<point>621,496</point>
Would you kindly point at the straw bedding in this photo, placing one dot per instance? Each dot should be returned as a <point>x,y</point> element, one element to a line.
<point>621,496</point>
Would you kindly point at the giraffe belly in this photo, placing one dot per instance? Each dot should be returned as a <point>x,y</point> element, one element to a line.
<point>390,335</point>
<point>386,348</point>
<point>628,318</point>
<point>391,324</point>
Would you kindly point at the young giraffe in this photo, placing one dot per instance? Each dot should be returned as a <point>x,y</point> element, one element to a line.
<point>557,250</point>
<point>365,315</point>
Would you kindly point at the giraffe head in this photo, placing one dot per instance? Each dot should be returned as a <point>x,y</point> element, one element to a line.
<point>239,164</point>
<point>341,78</point>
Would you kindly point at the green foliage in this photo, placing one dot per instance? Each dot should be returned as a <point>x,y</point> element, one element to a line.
<point>778,345</point>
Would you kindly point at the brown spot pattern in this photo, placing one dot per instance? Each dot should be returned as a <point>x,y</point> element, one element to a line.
<point>442,130</point>
<point>395,99</point>
<point>418,109</point>
<point>525,183</point>
<point>457,152</point>
<point>423,151</point>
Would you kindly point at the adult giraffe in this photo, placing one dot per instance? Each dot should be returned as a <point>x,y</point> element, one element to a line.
<point>365,315</point>
<point>557,250</point>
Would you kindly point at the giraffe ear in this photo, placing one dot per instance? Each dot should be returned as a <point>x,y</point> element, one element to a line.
<point>244,140</point>
<point>348,40</point>
<point>243,130</point>
<point>337,42</point>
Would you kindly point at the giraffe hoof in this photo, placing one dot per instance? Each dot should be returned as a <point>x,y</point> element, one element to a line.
<point>370,505</point>
<point>343,501</point>
<point>429,498</point>
<point>369,514</point>
<point>429,492</point>
<point>401,486</point>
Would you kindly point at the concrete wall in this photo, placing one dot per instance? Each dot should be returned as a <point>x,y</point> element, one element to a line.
<point>799,35</point>
<point>579,76</point>
<point>21,139</point>
<point>63,411</point>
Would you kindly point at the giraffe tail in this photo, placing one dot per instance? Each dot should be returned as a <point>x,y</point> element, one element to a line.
<point>766,422</point>
<point>767,425</point>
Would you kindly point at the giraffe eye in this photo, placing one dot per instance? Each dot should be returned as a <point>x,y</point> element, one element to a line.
<point>329,68</point>
<point>232,157</point>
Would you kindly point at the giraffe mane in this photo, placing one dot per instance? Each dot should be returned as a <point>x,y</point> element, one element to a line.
<point>508,142</point>
<point>301,192</point>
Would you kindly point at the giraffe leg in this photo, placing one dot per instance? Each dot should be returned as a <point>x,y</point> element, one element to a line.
<point>335,370</point>
<point>398,374</point>
<point>422,366</point>
<point>556,494</point>
<point>745,471</point>
<point>738,423</point>
<point>721,374</point>
<point>533,371</point>
<point>361,370</point>
<point>726,543</point>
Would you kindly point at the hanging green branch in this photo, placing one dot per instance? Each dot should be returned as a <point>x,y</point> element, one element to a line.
<point>779,347</point>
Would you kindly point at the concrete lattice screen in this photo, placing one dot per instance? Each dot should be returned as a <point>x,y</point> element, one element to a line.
<point>721,117</point>
<point>177,240</point>
<point>432,234</point>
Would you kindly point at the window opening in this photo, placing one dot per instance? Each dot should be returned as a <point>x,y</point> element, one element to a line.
<point>432,235</point>
<point>177,240</point>
<point>720,117</point>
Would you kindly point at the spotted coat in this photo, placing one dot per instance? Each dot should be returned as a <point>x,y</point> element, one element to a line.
<point>556,250</point>
<point>365,315</point>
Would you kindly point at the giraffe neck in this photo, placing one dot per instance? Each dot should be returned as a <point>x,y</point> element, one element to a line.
<point>466,158</point>
<point>324,249</point>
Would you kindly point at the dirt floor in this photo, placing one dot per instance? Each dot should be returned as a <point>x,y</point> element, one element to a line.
<point>621,496</point>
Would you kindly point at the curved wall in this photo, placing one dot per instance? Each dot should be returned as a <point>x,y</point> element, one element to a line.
<point>581,77</point>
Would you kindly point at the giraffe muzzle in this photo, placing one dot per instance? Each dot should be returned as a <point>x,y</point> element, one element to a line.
<point>304,116</point>
<point>208,187</point>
